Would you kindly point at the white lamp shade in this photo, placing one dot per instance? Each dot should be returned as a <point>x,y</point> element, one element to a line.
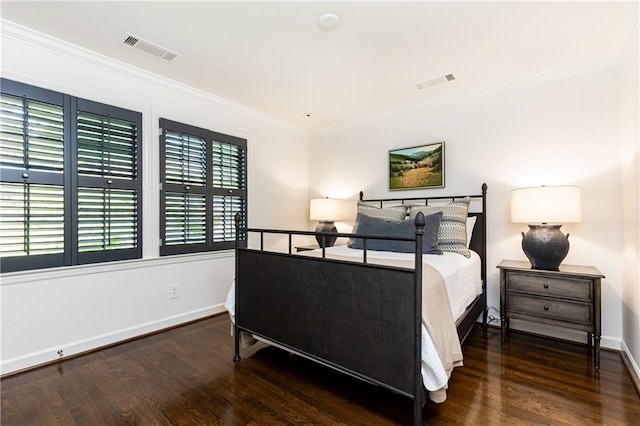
<point>325,209</point>
<point>546,204</point>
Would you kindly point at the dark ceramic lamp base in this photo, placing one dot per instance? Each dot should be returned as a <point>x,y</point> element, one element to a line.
<point>327,240</point>
<point>545,246</point>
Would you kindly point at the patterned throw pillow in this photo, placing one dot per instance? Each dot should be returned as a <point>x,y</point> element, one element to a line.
<point>387,213</point>
<point>452,236</point>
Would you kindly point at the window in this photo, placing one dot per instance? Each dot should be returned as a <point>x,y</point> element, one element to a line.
<point>204,185</point>
<point>70,185</point>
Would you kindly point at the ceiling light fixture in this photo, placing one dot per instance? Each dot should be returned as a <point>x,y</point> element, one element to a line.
<point>328,21</point>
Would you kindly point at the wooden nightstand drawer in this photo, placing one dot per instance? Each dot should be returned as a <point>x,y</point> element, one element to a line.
<point>550,308</point>
<point>577,289</point>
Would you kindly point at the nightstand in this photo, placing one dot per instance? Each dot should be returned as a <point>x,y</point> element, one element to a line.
<point>307,248</point>
<point>568,298</point>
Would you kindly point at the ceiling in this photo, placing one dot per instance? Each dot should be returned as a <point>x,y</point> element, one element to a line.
<point>273,57</point>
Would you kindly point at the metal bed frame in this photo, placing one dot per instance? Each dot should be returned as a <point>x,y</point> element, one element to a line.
<point>351,316</point>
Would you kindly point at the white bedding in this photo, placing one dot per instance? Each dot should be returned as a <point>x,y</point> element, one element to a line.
<point>463,282</point>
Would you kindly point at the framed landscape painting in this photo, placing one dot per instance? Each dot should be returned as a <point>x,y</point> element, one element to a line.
<point>417,167</point>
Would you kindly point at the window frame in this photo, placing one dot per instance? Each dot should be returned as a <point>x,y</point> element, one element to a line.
<point>208,190</point>
<point>71,182</point>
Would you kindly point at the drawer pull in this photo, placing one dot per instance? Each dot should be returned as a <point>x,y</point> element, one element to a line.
<point>546,307</point>
<point>546,286</point>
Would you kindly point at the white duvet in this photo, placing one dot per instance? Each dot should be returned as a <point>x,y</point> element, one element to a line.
<point>463,282</point>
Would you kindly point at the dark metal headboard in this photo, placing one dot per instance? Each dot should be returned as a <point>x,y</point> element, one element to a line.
<point>479,236</point>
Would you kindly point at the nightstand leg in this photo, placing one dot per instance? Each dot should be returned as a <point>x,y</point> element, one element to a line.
<point>504,327</point>
<point>596,351</point>
<point>589,341</point>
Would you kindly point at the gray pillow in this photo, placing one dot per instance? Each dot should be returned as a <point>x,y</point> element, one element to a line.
<point>367,225</point>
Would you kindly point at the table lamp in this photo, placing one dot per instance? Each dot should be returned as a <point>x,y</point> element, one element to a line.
<point>545,209</point>
<point>326,211</point>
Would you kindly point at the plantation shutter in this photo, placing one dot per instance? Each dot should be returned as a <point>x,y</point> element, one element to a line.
<point>70,180</point>
<point>184,189</point>
<point>108,202</point>
<point>32,160</point>
<point>229,189</point>
<point>203,187</point>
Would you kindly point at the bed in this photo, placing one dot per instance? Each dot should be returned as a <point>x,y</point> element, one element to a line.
<point>359,309</point>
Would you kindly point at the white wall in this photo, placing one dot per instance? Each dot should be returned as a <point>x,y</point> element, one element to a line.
<point>79,308</point>
<point>630,158</point>
<point>550,131</point>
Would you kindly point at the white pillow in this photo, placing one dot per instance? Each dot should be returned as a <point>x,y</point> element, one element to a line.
<point>471,222</point>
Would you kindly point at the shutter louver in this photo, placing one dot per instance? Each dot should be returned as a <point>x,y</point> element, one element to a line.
<point>31,219</point>
<point>228,166</point>
<point>106,146</point>
<point>185,218</point>
<point>107,219</point>
<point>31,135</point>
<point>224,212</point>
<point>185,159</point>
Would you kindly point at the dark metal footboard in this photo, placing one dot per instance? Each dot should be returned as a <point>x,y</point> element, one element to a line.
<point>353,317</point>
<point>359,318</point>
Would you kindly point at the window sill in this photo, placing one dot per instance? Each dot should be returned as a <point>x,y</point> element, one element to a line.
<point>12,278</point>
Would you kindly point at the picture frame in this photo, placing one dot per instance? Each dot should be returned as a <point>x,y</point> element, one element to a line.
<point>417,167</point>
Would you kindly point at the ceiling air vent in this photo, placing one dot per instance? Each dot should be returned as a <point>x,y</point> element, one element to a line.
<point>150,48</point>
<point>435,80</point>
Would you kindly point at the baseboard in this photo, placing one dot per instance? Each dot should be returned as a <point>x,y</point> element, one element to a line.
<point>72,349</point>
<point>632,367</point>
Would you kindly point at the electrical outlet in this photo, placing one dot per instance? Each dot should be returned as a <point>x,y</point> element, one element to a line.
<point>174,291</point>
<point>60,353</point>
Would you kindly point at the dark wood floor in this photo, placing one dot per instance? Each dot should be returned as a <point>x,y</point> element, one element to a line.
<point>186,376</point>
